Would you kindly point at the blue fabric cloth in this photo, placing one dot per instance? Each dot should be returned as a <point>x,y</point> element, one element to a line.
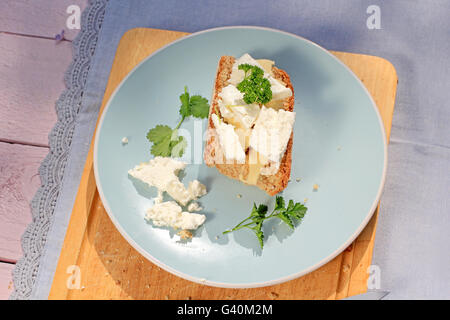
<point>412,247</point>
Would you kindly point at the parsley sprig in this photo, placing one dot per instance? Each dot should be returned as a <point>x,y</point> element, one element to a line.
<point>166,141</point>
<point>255,87</point>
<point>254,222</point>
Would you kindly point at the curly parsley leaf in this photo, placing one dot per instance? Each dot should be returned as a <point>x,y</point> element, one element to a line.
<point>255,87</point>
<point>297,211</point>
<point>254,222</point>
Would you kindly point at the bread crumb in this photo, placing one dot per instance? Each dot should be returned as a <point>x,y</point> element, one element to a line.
<point>239,196</point>
<point>298,179</point>
<point>273,295</point>
<point>124,140</point>
<point>305,200</point>
<point>339,148</point>
<point>346,268</point>
<point>185,234</point>
<point>166,297</point>
<point>316,187</point>
<point>217,237</point>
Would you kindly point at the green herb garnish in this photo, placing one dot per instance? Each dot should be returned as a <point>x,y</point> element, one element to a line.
<point>255,87</point>
<point>195,106</point>
<point>259,214</point>
<point>166,141</point>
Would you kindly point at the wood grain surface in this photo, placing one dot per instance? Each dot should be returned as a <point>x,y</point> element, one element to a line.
<point>32,78</point>
<point>6,284</point>
<point>39,18</point>
<point>111,269</point>
<point>19,181</point>
<point>32,70</point>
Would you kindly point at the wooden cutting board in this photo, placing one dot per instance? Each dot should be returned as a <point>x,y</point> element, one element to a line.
<point>97,263</point>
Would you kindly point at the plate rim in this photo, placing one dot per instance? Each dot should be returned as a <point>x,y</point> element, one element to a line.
<point>249,284</point>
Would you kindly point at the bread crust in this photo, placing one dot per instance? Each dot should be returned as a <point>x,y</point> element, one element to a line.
<point>213,154</point>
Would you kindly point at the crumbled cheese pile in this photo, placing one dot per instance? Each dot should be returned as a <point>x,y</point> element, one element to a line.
<point>169,214</point>
<point>162,173</point>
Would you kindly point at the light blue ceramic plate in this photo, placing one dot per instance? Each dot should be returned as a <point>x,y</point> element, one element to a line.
<point>339,144</point>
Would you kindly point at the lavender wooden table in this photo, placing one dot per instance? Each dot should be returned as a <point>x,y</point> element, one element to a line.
<point>32,66</point>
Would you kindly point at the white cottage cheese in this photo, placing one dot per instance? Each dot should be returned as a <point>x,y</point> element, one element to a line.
<point>161,173</point>
<point>229,140</point>
<point>279,90</point>
<point>194,206</point>
<point>272,132</point>
<point>169,214</point>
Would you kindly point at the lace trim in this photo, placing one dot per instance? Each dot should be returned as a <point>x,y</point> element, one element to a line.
<point>52,168</point>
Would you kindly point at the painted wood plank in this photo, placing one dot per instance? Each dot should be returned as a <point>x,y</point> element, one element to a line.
<point>112,269</point>
<point>19,181</point>
<point>6,284</point>
<point>32,78</point>
<point>38,17</point>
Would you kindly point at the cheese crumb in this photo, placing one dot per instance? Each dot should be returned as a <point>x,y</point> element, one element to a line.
<point>185,234</point>
<point>124,140</point>
<point>196,189</point>
<point>194,207</point>
<point>169,214</point>
<point>161,173</point>
<point>159,198</point>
